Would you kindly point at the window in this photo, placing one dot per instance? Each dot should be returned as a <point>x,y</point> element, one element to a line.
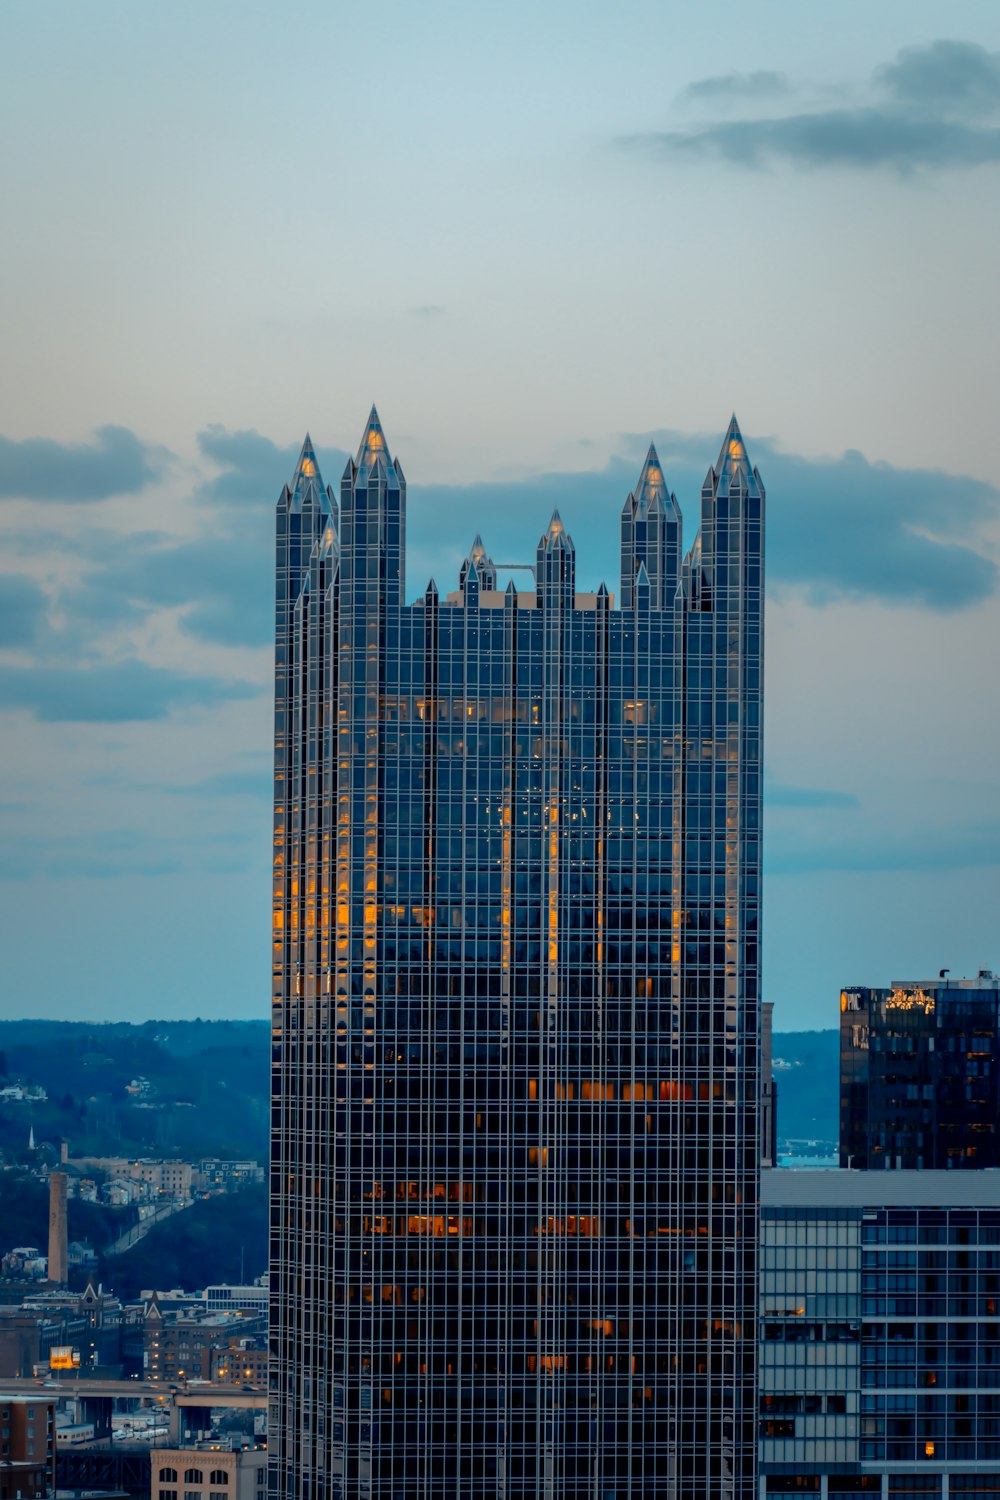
<point>168,1476</point>
<point>193,1476</point>
<point>218,1476</point>
<point>167,1495</point>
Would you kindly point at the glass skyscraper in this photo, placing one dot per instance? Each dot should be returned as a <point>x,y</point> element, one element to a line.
<point>516,1006</point>
<point>920,1074</point>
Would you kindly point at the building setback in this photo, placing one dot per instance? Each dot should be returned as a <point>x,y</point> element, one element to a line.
<point>920,1074</point>
<point>516,1005</point>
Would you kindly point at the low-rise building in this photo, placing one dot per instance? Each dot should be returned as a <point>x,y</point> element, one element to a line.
<point>242,1362</point>
<point>27,1447</point>
<point>880,1334</point>
<point>208,1471</point>
<point>223,1298</point>
<point>181,1348</point>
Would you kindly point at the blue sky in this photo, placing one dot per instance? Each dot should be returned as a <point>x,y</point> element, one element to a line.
<point>538,237</point>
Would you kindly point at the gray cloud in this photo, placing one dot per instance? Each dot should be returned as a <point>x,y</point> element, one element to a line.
<point>23,607</point>
<point>736,87</point>
<point>119,852</point>
<point>953,77</point>
<point>837,528</point>
<point>970,846</point>
<point>115,463</point>
<point>934,107</point>
<point>119,692</point>
<point>252,468</point>
<point>777,795</point>
<point>257,784</point>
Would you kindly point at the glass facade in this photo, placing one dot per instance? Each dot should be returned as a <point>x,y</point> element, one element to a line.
<point>880,1337</point>
<point>920,1074</point>
<point>516,1018</point>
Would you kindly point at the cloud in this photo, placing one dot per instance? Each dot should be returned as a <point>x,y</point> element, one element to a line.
<point>953,77</point>
<point>121,692</point>
<point>252,468</point>
<point>776,795</point>
<point>934,107</point>
<point>23,607</point>
<point>115,463</point>
<point>257,784</point>
<point>736,88</point>
<point>968,846</point>
<point>837,528</point>
<point>119,852</point>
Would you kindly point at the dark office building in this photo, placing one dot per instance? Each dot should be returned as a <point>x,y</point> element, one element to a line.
<point>918,1074</point>
<point>516,1006</point>
<point>880,1334</point>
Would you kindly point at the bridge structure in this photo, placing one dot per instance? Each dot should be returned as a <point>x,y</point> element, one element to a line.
<point>190,1406</point>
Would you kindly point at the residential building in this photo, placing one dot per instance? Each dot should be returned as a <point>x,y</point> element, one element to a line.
<point>208,1471</point>
<point>516,1005</point>
<point>920,1074</point>
<point>880,1334</point>
<point>27,1447</point>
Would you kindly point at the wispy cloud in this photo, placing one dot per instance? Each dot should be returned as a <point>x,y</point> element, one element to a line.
<point>776,795</point>
<point>115,463</point>
<point>729,89</point>
<point>22,610</point>
<point>934,107</point>
<point>968,846</point>
<point>120,692</point>
<point>838,528</point>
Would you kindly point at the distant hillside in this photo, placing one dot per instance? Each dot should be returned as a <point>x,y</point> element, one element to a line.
<point>223,1238</point>
<point>207,1087</point>
<point>24,1215</point>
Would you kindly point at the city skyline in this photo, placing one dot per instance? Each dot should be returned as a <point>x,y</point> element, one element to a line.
<point>603,234</point>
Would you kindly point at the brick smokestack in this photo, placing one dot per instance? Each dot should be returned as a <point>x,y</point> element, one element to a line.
<point>58,1238</point>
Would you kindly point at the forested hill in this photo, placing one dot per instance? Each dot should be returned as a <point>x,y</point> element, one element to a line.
<point>207,1089</point>
<point>166,1088</point>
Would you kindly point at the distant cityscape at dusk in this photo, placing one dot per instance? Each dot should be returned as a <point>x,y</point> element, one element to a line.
<point>500,893</point>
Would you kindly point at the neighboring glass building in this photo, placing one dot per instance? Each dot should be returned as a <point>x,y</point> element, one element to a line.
<point>920,1074</point>
<point>516,1006</point>
<point>880,1334</point>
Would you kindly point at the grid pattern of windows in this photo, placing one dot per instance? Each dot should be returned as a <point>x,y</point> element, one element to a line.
<point>920,1075</point>
<point>880,1349</point>
<point>515,1048</point>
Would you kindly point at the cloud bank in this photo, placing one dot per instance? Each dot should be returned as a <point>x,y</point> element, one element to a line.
<point>115,463</point>
<point>934,107</point>
<point>838,528</point>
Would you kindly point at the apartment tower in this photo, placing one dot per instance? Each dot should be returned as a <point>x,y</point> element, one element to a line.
<point>516,1005</point>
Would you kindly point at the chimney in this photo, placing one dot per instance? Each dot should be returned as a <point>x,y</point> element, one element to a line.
<point>58,1239</point>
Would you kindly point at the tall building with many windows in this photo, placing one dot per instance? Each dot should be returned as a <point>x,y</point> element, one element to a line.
<point>516,1005</point>
<point>920,1074</point>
